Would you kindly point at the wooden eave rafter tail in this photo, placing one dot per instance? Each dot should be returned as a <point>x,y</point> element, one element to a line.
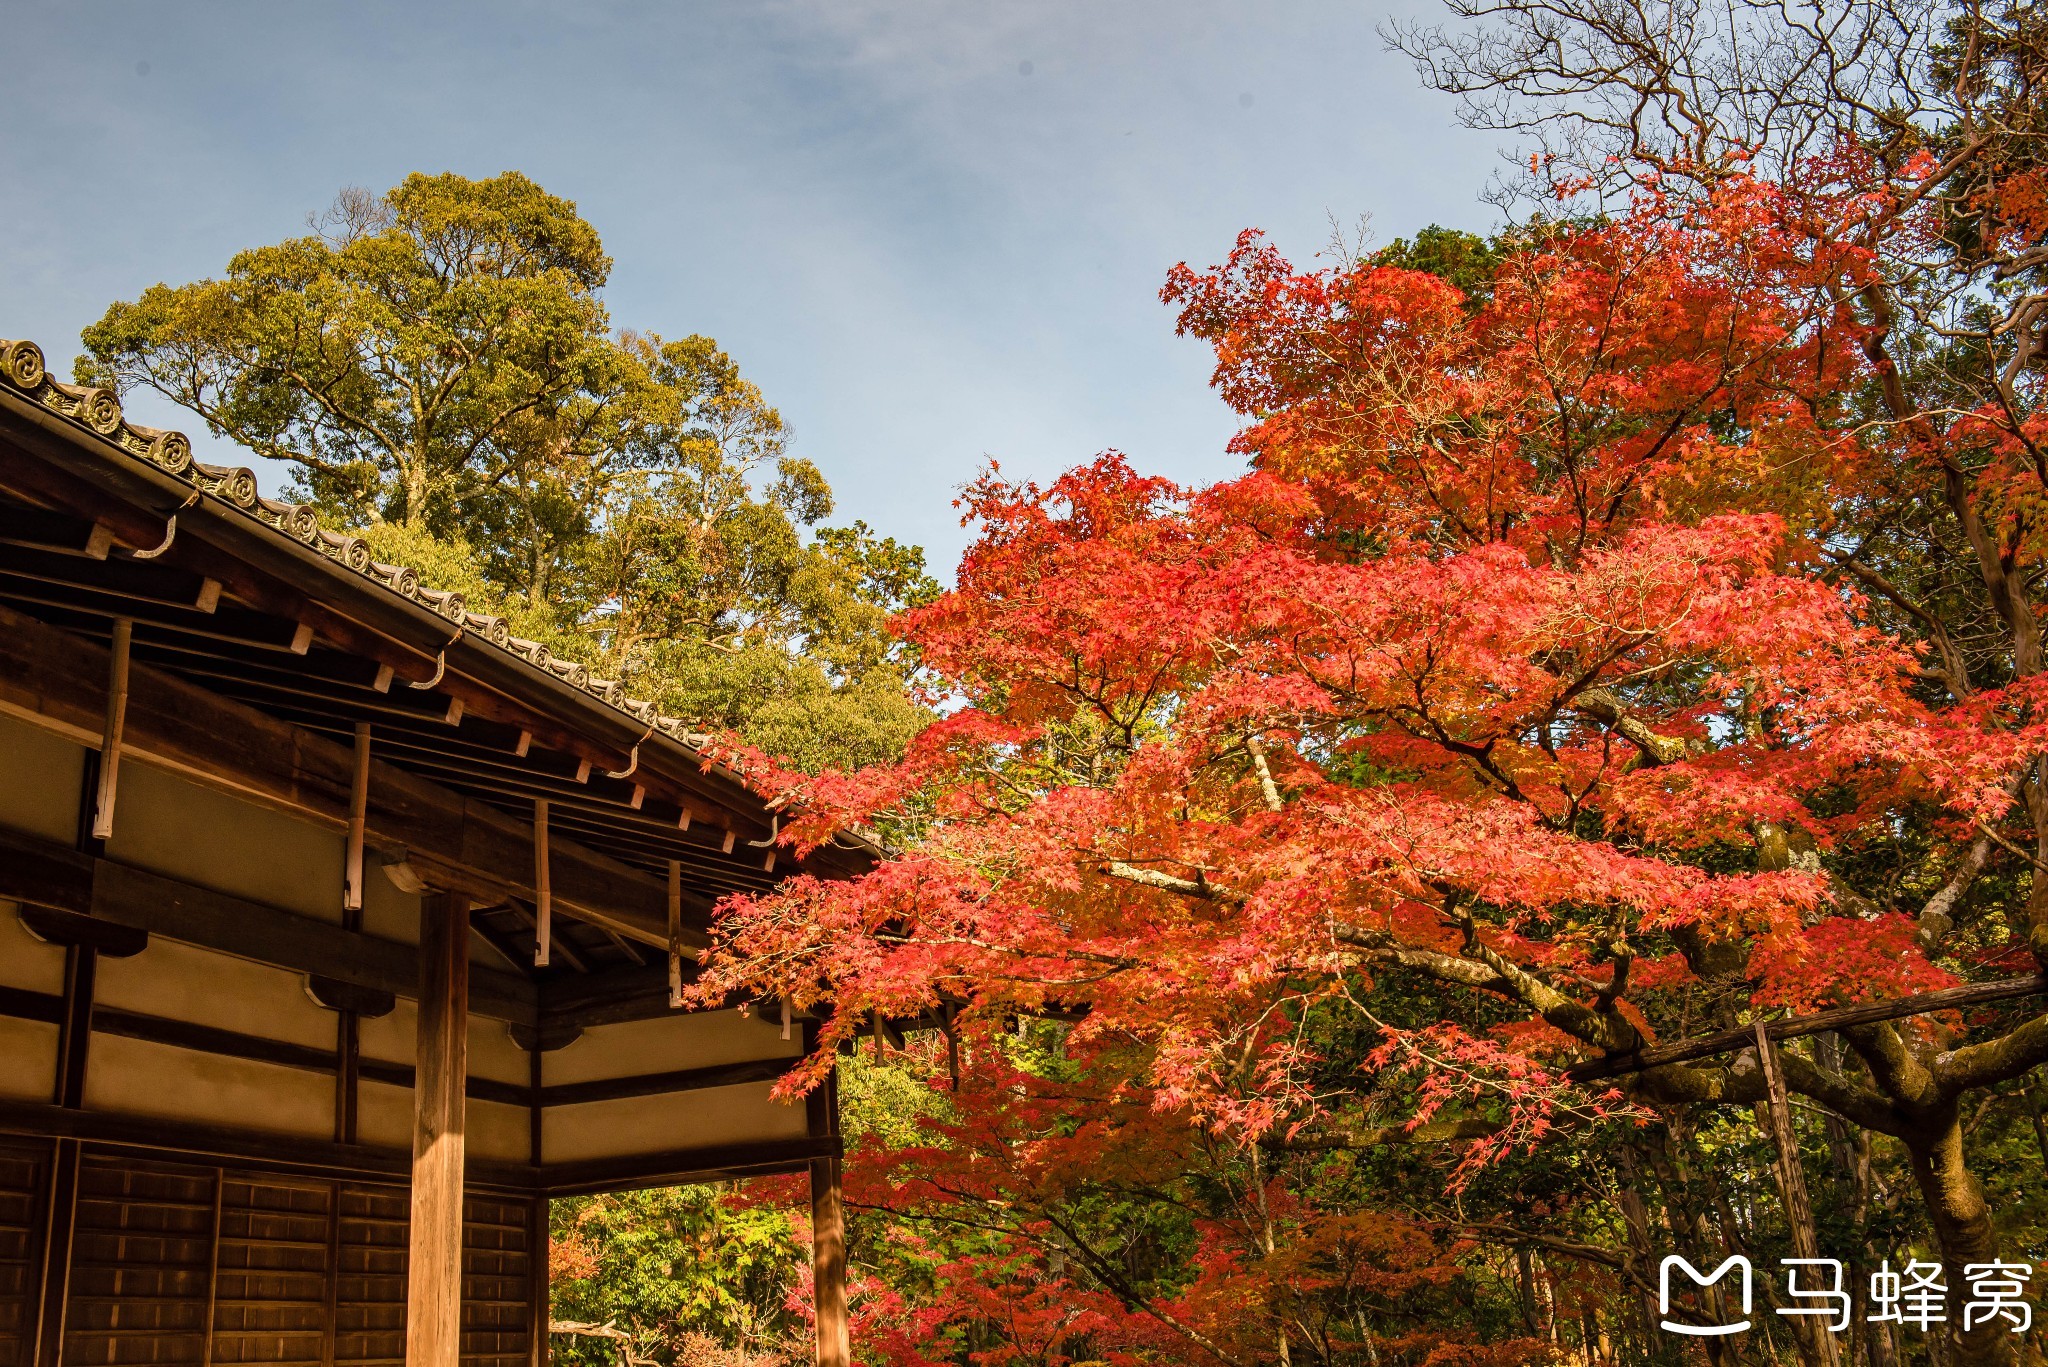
<point>145,486</point>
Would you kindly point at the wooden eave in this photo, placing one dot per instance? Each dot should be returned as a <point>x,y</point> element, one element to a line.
<point>256,618</point>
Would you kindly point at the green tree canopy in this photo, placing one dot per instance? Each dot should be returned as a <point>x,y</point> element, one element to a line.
<point>439,370</point>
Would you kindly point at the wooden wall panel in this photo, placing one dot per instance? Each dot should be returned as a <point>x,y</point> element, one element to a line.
<point>271,1296</point>
<point>23,1170</point>
<point>370,1290</point>
<point>740,1114</point>
<point>495,1326</point>
<point>26,961</point>
<point>28,1059</point>
<point>665,1043</point>
<point>186,1263</point>
<point>184,982</point>
<point>142,1254</point>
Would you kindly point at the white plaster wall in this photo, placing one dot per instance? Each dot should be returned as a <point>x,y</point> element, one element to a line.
<point>40,778</point>
<point>140,1078</point>
<point>198,985</point>
<point>178,828</point>
<point>26,961</point>
<point>714,1115</point>
<point>670,1043</point>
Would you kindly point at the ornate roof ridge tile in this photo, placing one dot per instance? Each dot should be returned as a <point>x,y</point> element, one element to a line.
<point>98,410</point>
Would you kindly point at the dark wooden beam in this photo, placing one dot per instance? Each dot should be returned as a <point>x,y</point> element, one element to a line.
<point>53,1256</point>
<point>43,873</point>
<point>828,1218</point>
<point>69,928</point>
<point>713,1163</point>
<point>538,1296</point>
<point>267,1152</point>
<point>433,1320</point>
<point>610,998</point>
<point>58,533</point>
<point>657,1084</point>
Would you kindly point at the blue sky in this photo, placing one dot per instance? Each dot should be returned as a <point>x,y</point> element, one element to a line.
<point>933,231</point>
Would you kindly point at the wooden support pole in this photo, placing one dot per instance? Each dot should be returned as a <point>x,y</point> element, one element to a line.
<point>543,896</point>
<point>60,1211</point>
<point>110,737</point>
<point>358,816</point>
<point>828,1263</point>
<point>828,1217</point>
<point>675,933</point>
<point>538,1294</point>
<point>433,1326</point>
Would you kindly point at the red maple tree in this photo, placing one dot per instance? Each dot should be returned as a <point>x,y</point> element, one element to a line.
<point>1531,701</point>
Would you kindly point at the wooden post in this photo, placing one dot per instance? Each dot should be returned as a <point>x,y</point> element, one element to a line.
<point>828,1221</point>
<point>110,736</point>
<point>358,814</point>
<point>543,896</point>
<point>828,1263</point>
<point>538,1292</point>
<point>433,1326</point>
<point>675,933</point>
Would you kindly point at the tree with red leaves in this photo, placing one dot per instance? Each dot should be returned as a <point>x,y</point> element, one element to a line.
<point>1642,645</point>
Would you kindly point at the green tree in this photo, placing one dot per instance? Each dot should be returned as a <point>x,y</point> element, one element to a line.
<point>438,368</point>
<point>414,350</point>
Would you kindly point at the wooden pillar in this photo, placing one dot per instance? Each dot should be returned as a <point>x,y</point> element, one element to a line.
<point>828,1221</point>
<point>538,1294</point>
<point>433,1325</point>
<point>828,1263</point>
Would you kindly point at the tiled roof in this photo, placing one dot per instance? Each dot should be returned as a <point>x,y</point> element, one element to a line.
<point>99,410</point>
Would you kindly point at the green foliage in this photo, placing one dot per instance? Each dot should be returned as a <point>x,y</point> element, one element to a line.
<point>1466,260</point>
<point>675,1267</point>
<point>437,366</point>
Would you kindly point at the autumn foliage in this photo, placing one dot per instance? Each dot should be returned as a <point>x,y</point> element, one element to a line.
<point>1558,681</point>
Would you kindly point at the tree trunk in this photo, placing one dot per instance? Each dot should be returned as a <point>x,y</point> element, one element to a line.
<point>1962,1224</point>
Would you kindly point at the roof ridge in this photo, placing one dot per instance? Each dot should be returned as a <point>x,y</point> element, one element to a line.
<point>98,409</point>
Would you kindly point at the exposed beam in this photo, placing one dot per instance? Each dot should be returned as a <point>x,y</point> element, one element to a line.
<point>59,680</point>
<point>610,998</point>
<point>712,1163</point>
<point>662,1084</point>
<point>43,873</point>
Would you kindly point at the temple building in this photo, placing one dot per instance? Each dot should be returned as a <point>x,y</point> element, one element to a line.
<point>339,931</point>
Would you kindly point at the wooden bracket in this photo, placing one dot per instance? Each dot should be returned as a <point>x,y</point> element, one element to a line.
<point>545,1038</point>
<point>675,933</point>
<point>110,735</point>
<point>111,939</point>
<point>358,812</point>
<point>543,896</point>
<point>336,995</point>
<point>404,876</point>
